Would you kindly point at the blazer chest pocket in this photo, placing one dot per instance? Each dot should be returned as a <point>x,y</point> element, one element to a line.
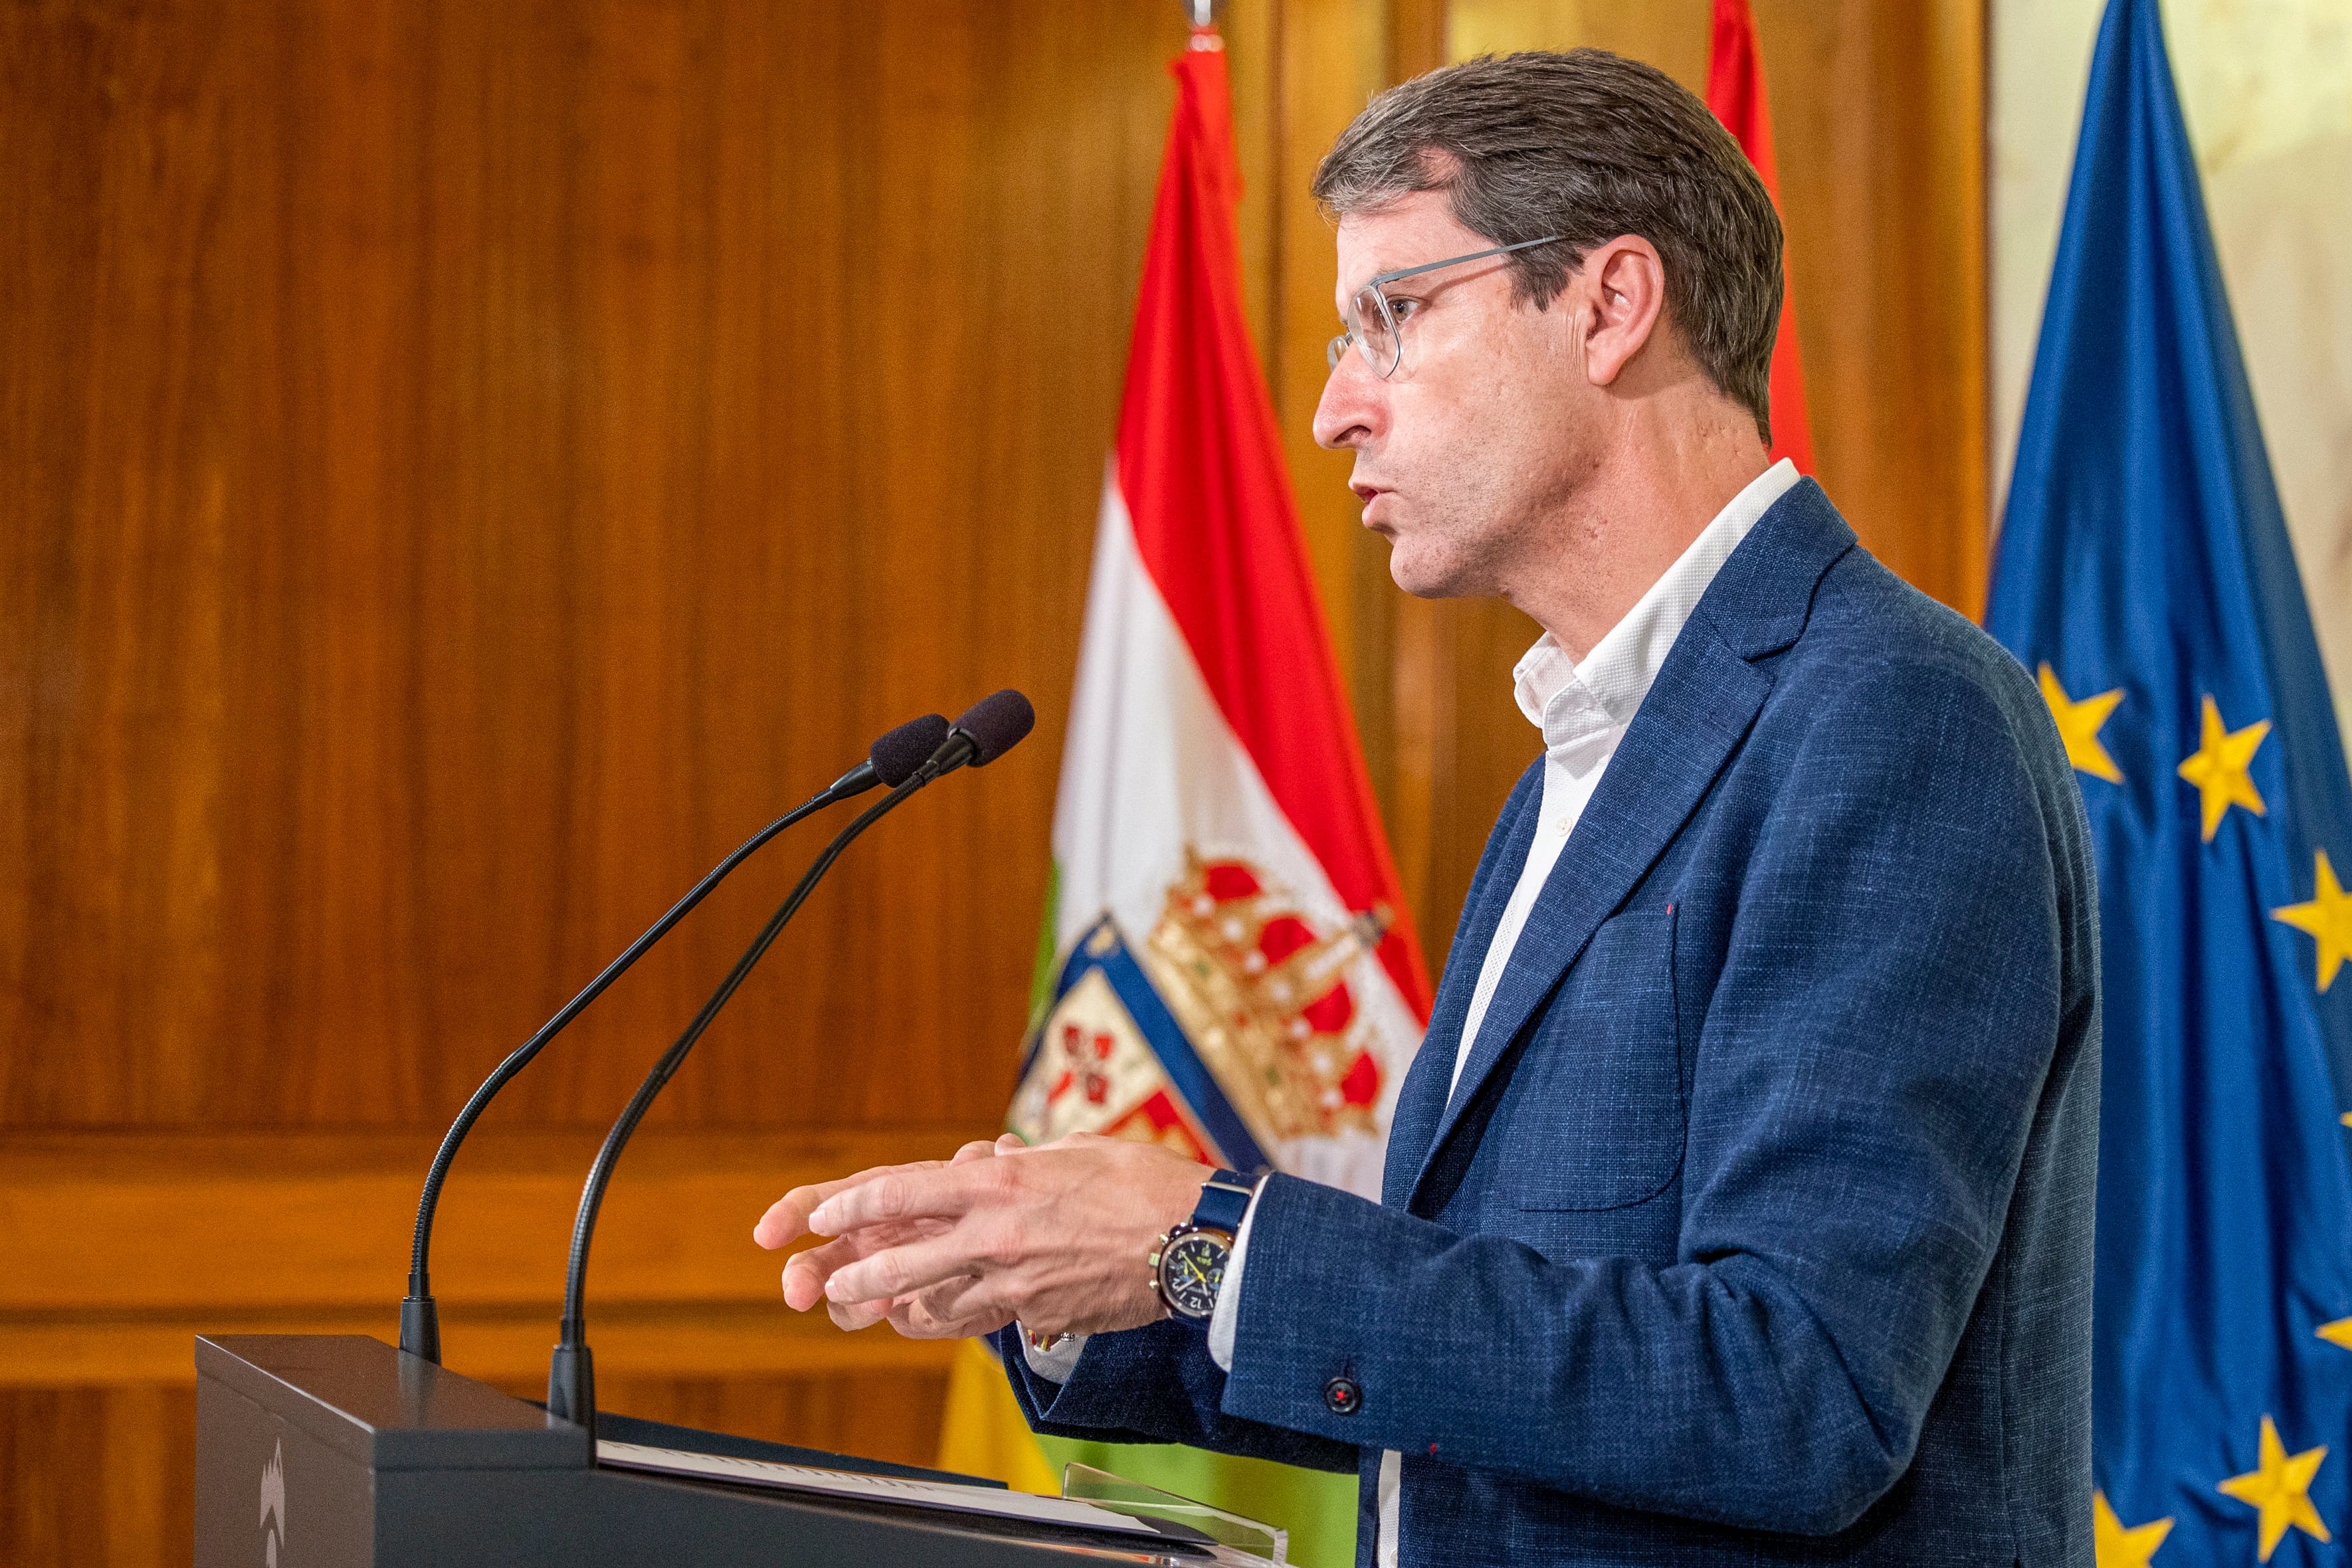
<point>1595,1115</point>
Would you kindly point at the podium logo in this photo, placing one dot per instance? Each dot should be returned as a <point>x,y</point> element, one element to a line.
<point>273,1506</point>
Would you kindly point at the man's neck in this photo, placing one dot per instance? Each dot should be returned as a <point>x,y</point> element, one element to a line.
<point>1656,492</point>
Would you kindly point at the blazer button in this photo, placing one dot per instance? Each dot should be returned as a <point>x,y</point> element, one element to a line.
<point>1343,1397</point>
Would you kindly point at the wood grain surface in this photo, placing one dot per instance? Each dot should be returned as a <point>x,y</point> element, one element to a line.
<point>471,466</point>
<point>126,1245</point>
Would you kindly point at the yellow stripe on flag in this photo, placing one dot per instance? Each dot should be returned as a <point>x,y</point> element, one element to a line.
<point>984,1433</point>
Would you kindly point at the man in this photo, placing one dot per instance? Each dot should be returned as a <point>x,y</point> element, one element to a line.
<point>1739,1204</point>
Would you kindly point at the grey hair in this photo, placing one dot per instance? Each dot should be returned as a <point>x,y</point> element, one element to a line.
<point>1587,145</point>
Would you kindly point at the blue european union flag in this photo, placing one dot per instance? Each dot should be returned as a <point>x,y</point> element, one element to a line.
<point>2145,573</point>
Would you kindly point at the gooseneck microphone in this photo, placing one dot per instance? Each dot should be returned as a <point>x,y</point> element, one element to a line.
<point>892,759</point>
<point>987,729</point>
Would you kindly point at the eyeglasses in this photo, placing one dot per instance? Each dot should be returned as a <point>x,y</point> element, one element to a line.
<point>1373,321</point>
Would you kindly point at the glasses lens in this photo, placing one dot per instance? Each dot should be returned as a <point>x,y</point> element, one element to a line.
<point>1333,350</point>
<point>1376,333</point>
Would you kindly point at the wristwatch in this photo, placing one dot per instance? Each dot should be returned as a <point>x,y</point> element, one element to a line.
<point>1188,1264</point>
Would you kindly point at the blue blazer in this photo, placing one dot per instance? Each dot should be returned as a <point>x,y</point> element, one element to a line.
<point>1759,1230</point>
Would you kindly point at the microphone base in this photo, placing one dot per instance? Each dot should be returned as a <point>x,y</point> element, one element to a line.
<point>420,1328</point>
<point>572,1386</point>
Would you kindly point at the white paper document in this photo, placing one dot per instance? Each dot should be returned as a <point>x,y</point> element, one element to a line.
<point>987,1500</point>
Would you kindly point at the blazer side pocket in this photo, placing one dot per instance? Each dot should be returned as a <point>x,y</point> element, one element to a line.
<point>1596,1111</point>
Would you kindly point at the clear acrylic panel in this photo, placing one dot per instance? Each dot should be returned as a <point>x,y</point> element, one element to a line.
<point>1238,1540</point>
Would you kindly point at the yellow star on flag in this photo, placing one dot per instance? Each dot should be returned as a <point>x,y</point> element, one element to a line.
<point>2113,1546</point>
<point>2329,917</point>
<point>2277,1490</point>
<point>2338,1333</point>
<point>2218,768</point>
<point>2078,726</point>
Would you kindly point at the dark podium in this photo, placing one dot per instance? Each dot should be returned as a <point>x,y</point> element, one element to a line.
<point>319,1449</point>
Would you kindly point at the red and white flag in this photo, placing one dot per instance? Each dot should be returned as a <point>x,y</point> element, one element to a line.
<point>1234,974</point>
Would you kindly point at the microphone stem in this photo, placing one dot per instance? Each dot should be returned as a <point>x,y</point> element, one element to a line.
<point>420,1330</point>
<point>571,1383</point>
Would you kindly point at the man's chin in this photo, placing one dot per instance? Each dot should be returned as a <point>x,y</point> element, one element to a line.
<point>1425,574</point>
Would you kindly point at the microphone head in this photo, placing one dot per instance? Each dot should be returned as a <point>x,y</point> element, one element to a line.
<point>898,755</point>
<point>996,723</point>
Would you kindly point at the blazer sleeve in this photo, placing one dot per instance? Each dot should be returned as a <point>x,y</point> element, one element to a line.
<point>1865,1078</point>
<point>1155,1384</point>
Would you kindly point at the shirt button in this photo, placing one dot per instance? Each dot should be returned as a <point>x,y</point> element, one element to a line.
<point>1343,1397</point>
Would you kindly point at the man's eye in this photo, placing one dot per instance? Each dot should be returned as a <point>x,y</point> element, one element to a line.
<point>1404,310</point>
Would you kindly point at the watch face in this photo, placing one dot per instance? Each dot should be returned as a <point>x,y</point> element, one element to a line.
<point>1191,1268</point>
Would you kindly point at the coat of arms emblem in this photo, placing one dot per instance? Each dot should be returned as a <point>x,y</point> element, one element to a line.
<point>1230,1030</point>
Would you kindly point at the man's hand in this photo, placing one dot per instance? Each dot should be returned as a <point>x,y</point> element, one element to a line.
<point>1056,1237</point>
<point>805,1273</point>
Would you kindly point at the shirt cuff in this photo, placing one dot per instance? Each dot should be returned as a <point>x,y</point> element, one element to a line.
<point>1224,1324</point>
<point>1054,1365</point>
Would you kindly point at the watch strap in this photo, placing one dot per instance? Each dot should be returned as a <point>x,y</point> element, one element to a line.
<point>1225,1199</point>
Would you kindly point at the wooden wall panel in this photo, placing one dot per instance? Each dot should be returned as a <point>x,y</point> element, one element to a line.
<point>125,1245</point>
<point>473,464</point>
<point>1883,193</point>
<point>467,467</point>
<point>96,1475</point>
<point>890,1415</point>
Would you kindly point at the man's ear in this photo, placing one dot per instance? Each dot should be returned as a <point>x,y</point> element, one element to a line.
<point>1624,283</point>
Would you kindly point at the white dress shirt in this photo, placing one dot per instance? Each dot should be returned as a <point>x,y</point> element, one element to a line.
<point>1584,709</point>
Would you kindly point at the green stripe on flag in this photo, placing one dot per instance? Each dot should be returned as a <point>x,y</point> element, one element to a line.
<point>1041,978</point>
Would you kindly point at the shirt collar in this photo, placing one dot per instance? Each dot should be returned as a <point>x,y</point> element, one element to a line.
<point>1572,702</point>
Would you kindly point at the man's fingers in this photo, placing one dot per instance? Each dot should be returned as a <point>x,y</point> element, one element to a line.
<point>980,1149</point>
<point>949,1301</point>
<point>902,1271</point>
<point>806,1272</point>
<point>1067,1140</point>
<point>952,1309</point>
<point>787,1219</point>
<point>856,1315</point>
<point>950,1312</point>
<point>939,1192</point>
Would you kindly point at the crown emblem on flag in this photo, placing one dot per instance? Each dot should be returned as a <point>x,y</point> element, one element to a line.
<point>1233,1029</point>
<point>1263,995</point>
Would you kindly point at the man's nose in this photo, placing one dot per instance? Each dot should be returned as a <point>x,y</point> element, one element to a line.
<point>1350,411</point>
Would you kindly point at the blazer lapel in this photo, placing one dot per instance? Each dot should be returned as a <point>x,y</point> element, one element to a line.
<point>1687,728</point>
<point>1421,1099</point>
<point>1705,697</point>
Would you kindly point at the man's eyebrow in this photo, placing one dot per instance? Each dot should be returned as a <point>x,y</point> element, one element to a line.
<point>1346,291</point>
